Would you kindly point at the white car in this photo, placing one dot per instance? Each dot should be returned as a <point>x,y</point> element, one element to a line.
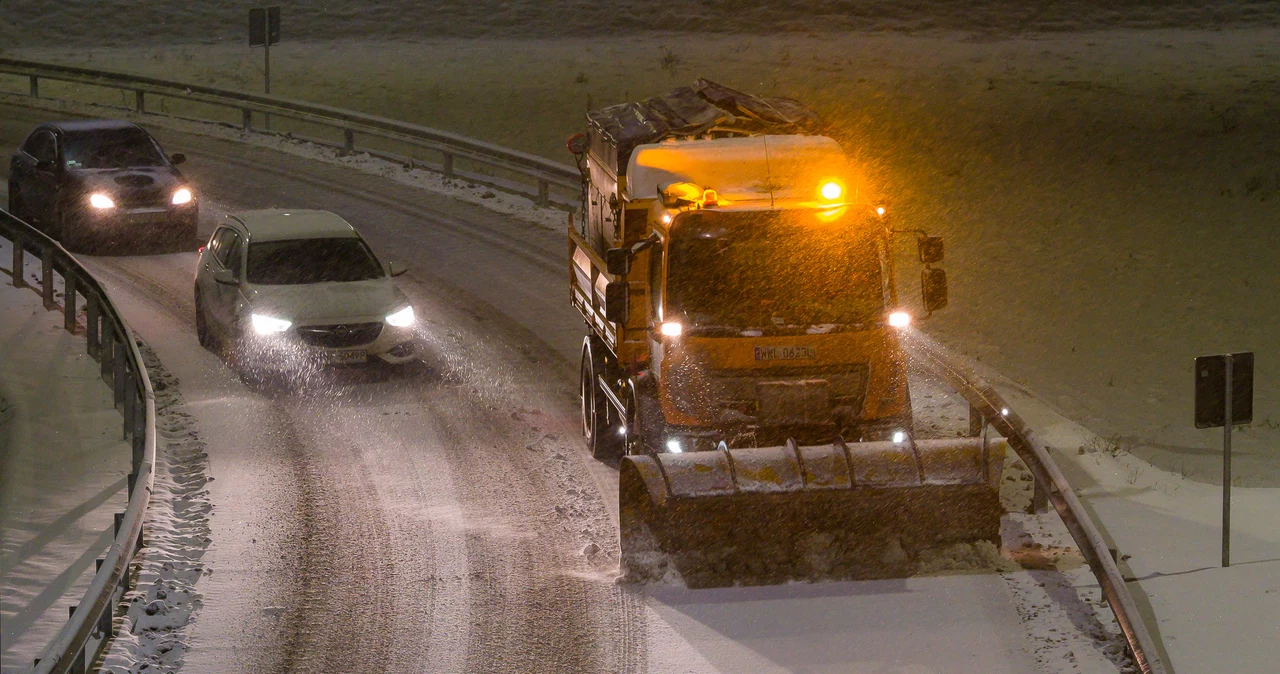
<point>294,288</point>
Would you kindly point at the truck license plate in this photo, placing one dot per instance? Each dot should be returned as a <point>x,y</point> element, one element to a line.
<point>784,352</point>
<point>351,356</point>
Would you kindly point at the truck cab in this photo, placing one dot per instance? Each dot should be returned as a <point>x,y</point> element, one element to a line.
<point>738,290</point>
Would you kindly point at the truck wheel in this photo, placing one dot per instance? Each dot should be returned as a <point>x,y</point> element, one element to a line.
<point>602,437</point>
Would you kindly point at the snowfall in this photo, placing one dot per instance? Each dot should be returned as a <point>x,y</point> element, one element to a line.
<point>1106,177</point>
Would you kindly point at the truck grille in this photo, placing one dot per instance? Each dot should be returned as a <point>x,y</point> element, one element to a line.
<point>339,336</point>
<point>737,394</point>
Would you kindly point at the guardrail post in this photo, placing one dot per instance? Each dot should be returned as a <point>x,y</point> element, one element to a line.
<point>107,350</point>
<point>139,430</point>
<point>128,399</point>
<point>247,119</point>
<point>976,421</point>
<point>46,278</point>
<point>91,325</point>
<point>1039,499</point>
<point>17,261</point>
<point>69,300</point>
<point>117,371</point>
<point>348,141</point>
<point>139,101</point>
<point>448,165</point>
<point>544,197</point>
<point>35,87</point>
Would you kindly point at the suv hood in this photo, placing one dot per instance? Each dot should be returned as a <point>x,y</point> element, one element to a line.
<point>319,303</point>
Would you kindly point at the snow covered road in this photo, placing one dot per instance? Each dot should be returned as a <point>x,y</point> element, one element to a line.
<point>435,518</point>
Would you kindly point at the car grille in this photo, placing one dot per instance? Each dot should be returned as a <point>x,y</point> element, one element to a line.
<point>339,336</point>
<point>142,198</point>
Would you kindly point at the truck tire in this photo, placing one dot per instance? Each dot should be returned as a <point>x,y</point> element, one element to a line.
<point>601,435</point>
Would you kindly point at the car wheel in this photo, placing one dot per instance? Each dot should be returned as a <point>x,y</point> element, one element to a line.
<point>202,324</point>
<point>16,208</point>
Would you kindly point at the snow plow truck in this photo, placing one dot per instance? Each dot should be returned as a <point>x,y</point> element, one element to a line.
<point>743,364</point>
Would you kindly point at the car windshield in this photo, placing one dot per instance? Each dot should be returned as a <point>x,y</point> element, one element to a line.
<point>111,149</point>
<point>301,261</point>
<point>772,268</point>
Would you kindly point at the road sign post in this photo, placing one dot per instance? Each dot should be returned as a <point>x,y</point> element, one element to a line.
<point>1224,397</point>
<point>264,31</point>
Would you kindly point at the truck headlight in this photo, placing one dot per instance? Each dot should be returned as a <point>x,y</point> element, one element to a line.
<point>181,196</point>
<point>671,329</point>
<point>101,201</point>
<point>673,446</point>
<point>402,318</point>
<point>269,325</point>
<point>899,319</point>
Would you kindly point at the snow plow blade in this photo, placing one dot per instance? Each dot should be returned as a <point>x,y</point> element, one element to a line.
<point>767,515</point>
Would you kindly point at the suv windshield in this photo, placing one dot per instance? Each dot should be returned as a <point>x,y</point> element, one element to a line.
<point>300,261</point>
<point>772,268</point>
<point>110,149</point>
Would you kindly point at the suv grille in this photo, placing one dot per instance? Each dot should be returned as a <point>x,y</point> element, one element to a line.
<point>339,336</point>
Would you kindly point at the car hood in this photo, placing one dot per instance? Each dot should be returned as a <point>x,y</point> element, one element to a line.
<point>118,181</point>
<point>328,302</point>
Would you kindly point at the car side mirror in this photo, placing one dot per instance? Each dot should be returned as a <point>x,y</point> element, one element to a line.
<point>617,302</point>
<point>396,268</point>
<point>930,248</point>
<point>47,165</point>
<point>933,289</point>
<point>225,277</point>
<point>618,261</point>
<point>177,158</point>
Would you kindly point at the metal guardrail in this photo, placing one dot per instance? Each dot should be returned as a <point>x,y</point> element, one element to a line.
<point>542,174</point>
<point>984,400</point>
<point>111,343</point>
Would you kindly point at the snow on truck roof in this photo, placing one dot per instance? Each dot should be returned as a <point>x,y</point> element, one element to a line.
<point>741,169</point>
<point>279,224</point>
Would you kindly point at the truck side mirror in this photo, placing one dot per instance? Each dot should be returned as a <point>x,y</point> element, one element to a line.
<point>578,143</point>
<point>930,248</point>
<point>177,158</point>
<point>617,302</point>
<point>618,261</point>
<point>933,289</point>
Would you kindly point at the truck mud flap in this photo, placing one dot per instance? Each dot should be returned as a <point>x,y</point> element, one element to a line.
<point>772,514</point>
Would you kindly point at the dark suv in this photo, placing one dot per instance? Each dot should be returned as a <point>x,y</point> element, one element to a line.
<point>100,182</point>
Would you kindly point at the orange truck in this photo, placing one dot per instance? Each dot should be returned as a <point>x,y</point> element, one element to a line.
<point>736,274</point>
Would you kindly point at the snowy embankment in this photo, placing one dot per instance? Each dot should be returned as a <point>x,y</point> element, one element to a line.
<point>63,468</point>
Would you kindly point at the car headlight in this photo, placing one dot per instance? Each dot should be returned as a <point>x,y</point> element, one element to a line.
<point>101,201</point>
<point>181,196</point>
<point>402,318</point>
<point>269,325</point>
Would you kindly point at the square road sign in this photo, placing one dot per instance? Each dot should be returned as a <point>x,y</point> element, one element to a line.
<point>1211,387</point>
<point>264,26</point>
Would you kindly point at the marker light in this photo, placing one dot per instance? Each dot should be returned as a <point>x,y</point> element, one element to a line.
<point>831,191</point>
<point>880,211</point>
<point>899,319</point>
<point>181,196</point>
<point>101,201</point>
<point>269,325</point>
<point>671,329</point>
<point>666,218</point>
<point>1004,411</point>
<point>899,437</point>
<point>673,446</point>
<point>710,198</point>
<point>402,318</point>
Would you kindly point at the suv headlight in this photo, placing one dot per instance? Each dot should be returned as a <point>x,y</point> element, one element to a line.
<point>402,318</point>
<point>101,201</point>
<point>269,325</point>
<point>181,196</point>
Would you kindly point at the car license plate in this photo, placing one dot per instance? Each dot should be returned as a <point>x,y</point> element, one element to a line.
<point>350,356</point>
<point>145,218</point>
<point>785,352</point>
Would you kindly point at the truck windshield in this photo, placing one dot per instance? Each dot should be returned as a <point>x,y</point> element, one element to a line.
<point>768,269</point>
<point>301,261</point>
